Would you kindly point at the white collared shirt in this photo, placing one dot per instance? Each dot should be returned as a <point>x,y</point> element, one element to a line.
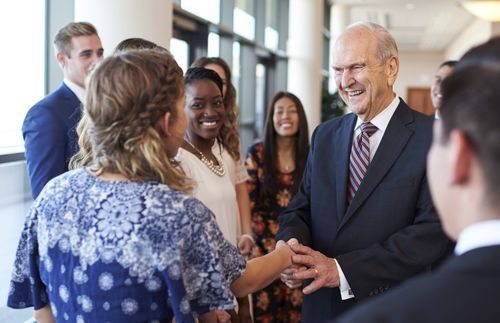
<point>482,234</point>
<point>381,121</point>
<point>78,90</point>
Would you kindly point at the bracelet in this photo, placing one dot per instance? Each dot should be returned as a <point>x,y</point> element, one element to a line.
<point>249,236</point>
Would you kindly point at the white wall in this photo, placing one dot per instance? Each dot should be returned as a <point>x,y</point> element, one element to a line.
<point>117,20</point>
<point>477,32</point>
<point>416,70</point>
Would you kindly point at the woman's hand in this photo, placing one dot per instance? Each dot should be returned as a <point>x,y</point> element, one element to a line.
<point>245,244</point>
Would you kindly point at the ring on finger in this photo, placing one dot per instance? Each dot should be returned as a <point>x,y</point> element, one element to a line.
<point>316,272</point>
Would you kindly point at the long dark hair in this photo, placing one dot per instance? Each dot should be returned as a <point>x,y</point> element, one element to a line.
<point>270,154</point>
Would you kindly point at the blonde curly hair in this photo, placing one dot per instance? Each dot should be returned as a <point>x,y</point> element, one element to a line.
<point>126,96</point>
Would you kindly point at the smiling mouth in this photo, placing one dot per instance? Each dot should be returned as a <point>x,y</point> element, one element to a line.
<point>209,124</point>
<point>355,93</point>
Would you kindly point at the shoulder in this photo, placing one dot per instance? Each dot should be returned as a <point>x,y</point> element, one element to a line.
<point>255,150</point>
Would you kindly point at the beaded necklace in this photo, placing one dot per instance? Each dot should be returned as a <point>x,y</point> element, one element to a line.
<point>218,169</point>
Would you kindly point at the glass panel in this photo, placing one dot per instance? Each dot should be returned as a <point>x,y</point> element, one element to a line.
<point>180,50</point>
<point>26,45</point>
<point>271,34</point>
<point>213,45</point>
<point>271,38</point>
<point>260,104</point>
<point>208,9</point>
<point>236,69</point>
<point>243,17</point>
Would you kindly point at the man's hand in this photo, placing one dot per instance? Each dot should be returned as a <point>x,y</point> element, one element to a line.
<point>319,267</point>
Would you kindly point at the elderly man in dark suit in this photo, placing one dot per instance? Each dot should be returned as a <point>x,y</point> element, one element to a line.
<point>50,138</point>
<point>464,179</point>
<point>363,215</point>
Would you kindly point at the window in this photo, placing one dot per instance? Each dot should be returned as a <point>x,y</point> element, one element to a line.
<point>213,45</point>
<point>22,61</point>
<point>180,50</point>
<point>208,9</point>
<point>244,20</point>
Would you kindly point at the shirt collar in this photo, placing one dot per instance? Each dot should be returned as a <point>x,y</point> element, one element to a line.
<point>78,90</point>
<point>381,120</point>
<point>482,234</point>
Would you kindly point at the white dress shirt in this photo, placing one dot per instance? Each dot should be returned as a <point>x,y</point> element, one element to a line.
<point>78,90</point>
<point>381,121</point>
<point>482,234</point>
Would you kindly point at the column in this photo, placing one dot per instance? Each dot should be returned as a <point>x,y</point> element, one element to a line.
<point>305,51</point>
<point>117,20</point>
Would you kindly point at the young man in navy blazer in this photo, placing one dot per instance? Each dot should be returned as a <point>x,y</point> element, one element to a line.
<point>50,138</point>
<point>363,215</point>
<point>464,178</point>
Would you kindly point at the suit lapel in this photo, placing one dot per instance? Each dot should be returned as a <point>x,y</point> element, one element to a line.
<point>342,153</point>
<point>393,143</point>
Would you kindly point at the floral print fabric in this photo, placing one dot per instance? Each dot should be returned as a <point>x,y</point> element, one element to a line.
<point>277,302</point>
<point>121,251</point>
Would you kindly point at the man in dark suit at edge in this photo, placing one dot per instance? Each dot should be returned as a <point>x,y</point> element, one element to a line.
<point>363,215</point>
<point>464,179</point>
<point>50,138</point>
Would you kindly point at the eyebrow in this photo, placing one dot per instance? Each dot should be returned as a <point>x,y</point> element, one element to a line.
<point>89,51</point>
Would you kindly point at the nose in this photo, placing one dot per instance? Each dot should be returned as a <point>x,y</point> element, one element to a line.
<point>347,78</point>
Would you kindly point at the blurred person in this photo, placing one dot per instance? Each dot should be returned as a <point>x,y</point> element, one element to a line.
<point>275,166</point>
<point>463,168</point>
<point>49,133</point>
<point>444,70</point>
<point>363,214</point>
<point>230,139</point>
<point>137,43</point>
<point>206,160</point>
<point>119,239</point>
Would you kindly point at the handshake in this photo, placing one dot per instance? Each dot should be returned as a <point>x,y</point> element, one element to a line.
<point>309,264</point>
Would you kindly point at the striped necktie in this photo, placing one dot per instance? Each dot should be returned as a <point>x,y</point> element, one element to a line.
<point>360,158</point>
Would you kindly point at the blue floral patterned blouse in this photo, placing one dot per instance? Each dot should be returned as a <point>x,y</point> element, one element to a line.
<point>111,251</point>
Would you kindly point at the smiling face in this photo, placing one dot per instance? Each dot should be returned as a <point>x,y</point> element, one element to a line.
<point>364,82</point>
<point>205,110</point>
<point>85,53</point>
<point>285,117</point>
<point>436,95</point>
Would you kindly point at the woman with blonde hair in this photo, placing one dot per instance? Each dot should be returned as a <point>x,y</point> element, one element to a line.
<point>119,239</point>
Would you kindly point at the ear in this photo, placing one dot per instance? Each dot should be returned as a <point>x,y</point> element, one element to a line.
<point>392,69</point>
<point>163,124</point>
<point>461,157</point>
<point>61,59</point>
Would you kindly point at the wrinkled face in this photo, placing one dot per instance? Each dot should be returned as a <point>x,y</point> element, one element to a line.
<point>436,94</point>
<point>177,126</point>
<point>205,109</point>
<point>222,74</point>
<point>86,52</point>
<point>364,83</point>
<point>438,173</point>
<point>285,117</point>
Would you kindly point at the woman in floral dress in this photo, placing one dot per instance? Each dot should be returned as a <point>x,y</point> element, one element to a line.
<point>120,240</point>
<point>275,166</point>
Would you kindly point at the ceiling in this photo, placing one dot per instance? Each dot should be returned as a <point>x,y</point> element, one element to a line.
<point>417,25</point>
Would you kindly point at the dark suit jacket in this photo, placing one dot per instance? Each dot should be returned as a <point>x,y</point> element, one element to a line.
<point>389,232</point>
<point>50,138</point>
<point>464,289</point>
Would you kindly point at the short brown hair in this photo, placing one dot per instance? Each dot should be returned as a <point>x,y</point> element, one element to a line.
<point>62,40</point>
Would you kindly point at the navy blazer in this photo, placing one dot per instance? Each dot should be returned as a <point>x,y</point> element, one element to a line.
<point>50,139</point>
<point>464,289</point>
<point>390,230</point>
